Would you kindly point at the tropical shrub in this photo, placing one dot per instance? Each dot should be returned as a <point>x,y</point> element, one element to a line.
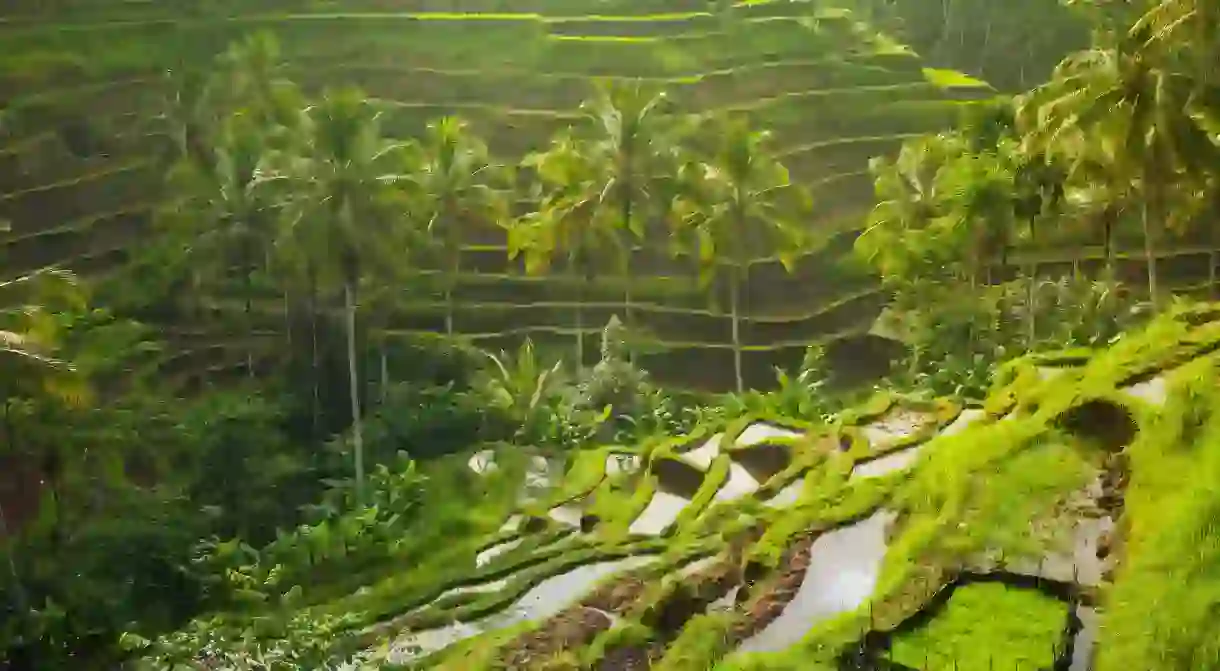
<point>343,538</point>
<point>956,336</point>
<point>301,641</point>
<point>522,388</point>
<point>66,596</point>
<point>428,421</point>
<point>614,382</point>
<point>246,474</point>
<point>798,393</point>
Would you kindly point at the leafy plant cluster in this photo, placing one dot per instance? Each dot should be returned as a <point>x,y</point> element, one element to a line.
<point>800,393</point>
<point>1119,144</point>
<point>955,343</point>
<point>107,544</point>
<point>299,641</point>
<point>308,203</point>
<point>343,538</point>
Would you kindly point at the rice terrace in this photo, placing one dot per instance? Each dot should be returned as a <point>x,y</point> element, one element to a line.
<point>595,335</point>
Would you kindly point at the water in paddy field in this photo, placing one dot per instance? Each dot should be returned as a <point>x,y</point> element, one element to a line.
<point>843,568</point>
<point>661,512</point>
<point>545,599</point>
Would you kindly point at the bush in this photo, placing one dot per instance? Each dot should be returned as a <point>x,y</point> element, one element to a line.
<point>342,539</point>
<point>429,421</point>
<point>957,335</point>
<point>128,567</point>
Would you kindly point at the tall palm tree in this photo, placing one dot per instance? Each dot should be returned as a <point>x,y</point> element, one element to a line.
<point>455,184</point>
<point>571,222</point>
<point>1190,28</point>
<point>1117,101</point>
<point>349,216</point>
<point>227,126</point>
<point>227,212</point>
<point>737,204</point>
<point>629,139</point>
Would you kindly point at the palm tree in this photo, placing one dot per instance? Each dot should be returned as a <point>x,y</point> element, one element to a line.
<point>571,221</point>
<point>348,216</point>
<point>30,334</point>
<point>629,139</point>
<point>1190,26</point>
<point>227,211</point>
<point>227,127</point>
<point>455,184</point>
<point>908,201</point>
<point>1117,101</point>
<point>738,199</point>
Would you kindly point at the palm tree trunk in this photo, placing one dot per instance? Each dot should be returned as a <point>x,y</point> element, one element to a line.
<point>1031,313</point>
<point>628,312</point>
<point>250,322</point>
<point>580,327</point>
<point>1211,274</point>
<point>288,321</point>
<point>450,285</point>
<point>385,373</point>
<point>349,301</point>
<point>1150,256</point>
<point>734,312</point>
<point>1211,265</point>
<point>19,597</point>
<point>1031,278</point>
<point>628,319</point>
<point>1108,243</point>
<point>315,364</point>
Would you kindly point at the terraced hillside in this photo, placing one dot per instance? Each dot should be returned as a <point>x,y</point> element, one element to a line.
<point>85,119</point>
<point>85,105</point>
<point>1063,524</point>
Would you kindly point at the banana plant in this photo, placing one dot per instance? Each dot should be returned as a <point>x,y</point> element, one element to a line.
<point>519,385</point>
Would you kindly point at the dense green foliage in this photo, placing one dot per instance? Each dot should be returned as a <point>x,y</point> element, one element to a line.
<point>255,441</point>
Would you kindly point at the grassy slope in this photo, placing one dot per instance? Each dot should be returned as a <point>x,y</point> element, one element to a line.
<point>987,625</point>
<point>969,495</point>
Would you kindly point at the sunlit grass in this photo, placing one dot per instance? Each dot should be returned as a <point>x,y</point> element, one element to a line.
<point>987,626</point>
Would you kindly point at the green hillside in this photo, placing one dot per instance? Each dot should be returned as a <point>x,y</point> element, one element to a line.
<point>78,157</point>
<point>1064,517</point>
<point>604,336</point>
